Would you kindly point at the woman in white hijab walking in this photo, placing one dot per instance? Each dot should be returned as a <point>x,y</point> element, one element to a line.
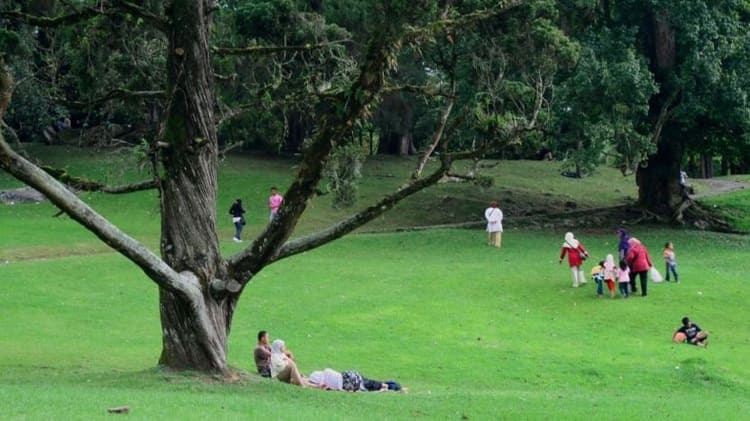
<point>576,255</point>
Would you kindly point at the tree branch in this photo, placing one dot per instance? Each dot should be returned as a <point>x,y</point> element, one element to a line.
<point>332,131</point>
<point>86,13</point>
<point>357,220</point>
<point>437,136</point>
<point>157,22</point>
<point>421,34</point>
<point>117,93</point>
<point>80,183</point>
<point>272,49</point>
<point>57,193</point>
<point>50,22</point>
<point>150,263</point>
<point>427,90</point>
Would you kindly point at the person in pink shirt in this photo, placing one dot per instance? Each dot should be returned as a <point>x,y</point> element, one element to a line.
<point>274,202</point>
<point>623,279</point>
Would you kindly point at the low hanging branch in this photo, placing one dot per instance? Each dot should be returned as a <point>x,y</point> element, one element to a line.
<point>355,221</point>
<point>58,194</point>
<point>80,183</point>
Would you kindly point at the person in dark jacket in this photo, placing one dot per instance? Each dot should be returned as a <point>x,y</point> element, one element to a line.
<point>238,218</point>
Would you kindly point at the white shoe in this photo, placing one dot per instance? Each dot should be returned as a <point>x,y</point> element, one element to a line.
<point>236,240</point>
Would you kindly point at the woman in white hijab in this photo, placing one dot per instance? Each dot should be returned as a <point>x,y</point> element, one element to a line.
<point>610,274</point>
<point>576,255</point>
<point>283,367</point>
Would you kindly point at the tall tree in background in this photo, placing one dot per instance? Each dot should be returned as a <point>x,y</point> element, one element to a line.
<point>697,54</point>
<point>198,287</point>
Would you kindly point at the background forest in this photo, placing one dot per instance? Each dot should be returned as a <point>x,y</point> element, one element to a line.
<point>646,86</point>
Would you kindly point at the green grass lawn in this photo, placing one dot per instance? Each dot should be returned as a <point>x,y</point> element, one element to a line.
<point>473,332</point>
<point>733,207</point>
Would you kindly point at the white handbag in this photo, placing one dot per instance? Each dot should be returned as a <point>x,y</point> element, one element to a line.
<point>655,275</point>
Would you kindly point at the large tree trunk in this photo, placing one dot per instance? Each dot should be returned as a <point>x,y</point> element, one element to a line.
<point>195,341</point>
<point>194,329</point>
<point>395,118</point>
<point>658,181</point>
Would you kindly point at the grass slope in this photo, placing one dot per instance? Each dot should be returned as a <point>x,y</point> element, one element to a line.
<point>473,332</point>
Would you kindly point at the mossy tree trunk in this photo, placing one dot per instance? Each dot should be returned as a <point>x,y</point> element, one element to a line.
<point>658,180</point>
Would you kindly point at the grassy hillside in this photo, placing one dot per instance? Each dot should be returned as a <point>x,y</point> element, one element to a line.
<point>521,187</point>
<point>473,332</point>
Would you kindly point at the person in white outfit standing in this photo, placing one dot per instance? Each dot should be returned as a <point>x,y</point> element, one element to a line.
<point>494,217</point>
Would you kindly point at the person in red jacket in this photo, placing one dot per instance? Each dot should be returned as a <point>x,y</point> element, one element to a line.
<point>576,255</point>
<point>639,262</point>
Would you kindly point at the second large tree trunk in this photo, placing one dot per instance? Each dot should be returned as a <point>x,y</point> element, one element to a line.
<point>659,187</point>
<point>658,181</point>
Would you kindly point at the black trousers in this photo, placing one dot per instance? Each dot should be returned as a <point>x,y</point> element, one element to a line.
<point>644,281</point>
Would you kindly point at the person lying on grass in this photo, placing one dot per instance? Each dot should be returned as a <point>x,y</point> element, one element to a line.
<point>350,381</point>
<point>691,333</point>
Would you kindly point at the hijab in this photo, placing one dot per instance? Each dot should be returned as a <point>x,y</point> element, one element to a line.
<point>278,358</point>
<point>609,262</point>
<point>570,241</point>
<point>624,237</point>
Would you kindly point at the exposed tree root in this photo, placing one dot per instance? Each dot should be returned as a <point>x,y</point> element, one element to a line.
<point>689,213</point>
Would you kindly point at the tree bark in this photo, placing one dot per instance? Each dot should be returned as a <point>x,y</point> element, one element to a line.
<point>396,117</point>
<point>658,182</point>
<point>195,338</point>
<point>194,331</point>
